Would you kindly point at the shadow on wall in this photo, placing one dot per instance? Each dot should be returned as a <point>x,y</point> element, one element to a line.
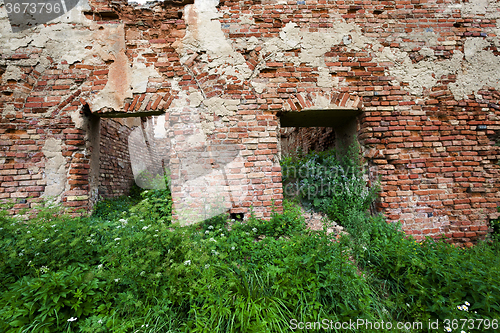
<point>317,130</point>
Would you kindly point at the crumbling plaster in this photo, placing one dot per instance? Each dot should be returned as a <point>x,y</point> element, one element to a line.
<point>204,35</point>
<point>251,54</point>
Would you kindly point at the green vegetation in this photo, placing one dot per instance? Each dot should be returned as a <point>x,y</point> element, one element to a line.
<point>127,268</point>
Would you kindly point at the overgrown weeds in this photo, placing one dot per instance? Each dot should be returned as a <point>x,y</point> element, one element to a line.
<point>127,268</point>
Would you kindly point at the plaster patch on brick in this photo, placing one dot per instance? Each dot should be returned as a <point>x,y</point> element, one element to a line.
<point>220,107</point>
<point>195,98</point>
<point>420,75</point>
<point>474,7</point>
<point>55,169</point>
<point>118,86</point>
<point>78,119</point>
<point>12,73</point>
<point>204,34</point>
<point>59,40</point>
<point>481,68</point>
<point>124,79</point>
<point>416,39</point>
<point>9,110</point>
<point>325,80</point>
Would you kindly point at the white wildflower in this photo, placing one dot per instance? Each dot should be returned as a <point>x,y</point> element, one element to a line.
<point>222,235</point>
<point>206,266</point>
<point>467,303</point>
<point>212,239</point>
<point>72,319</point>
<point>142,273</point>
<point>233,248</point>
<point>210,227</point>
<point>254,229</point>
<point>117,239</point>
<point>207,232</point>
<point>117,280</point>
<point>187,262</point>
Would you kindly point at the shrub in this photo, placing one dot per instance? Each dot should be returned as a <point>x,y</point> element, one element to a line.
<point>428,280</point>
<point>324,183</point>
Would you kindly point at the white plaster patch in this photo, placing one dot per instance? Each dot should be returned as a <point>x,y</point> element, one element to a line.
<point>325,80</point>
<point>474,7</point>
<point>55,169</point>
<point>480,68</point>
<point>77,119</point>
<point>140,77</point>
<point>160,131</point>
<point>204,33</point>
<point>12,73</point>
<point>195,98</point>
<point>123,80</point>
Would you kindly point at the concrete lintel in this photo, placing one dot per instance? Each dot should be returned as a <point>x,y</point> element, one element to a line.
<point>318,118</point>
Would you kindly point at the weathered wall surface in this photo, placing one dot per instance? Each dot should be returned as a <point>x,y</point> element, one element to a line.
<point>115,170</point>
<point>425,73</point>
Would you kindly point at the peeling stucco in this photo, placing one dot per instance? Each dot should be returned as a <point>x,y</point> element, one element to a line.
<point>480,68</point>
<point>204,34</point>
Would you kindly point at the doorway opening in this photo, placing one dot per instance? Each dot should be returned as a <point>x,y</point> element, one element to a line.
<point>318,130</point>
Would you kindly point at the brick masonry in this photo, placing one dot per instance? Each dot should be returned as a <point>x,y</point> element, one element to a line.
<point>115,171</point>
<point>301,140</point>
<point>424,74</point>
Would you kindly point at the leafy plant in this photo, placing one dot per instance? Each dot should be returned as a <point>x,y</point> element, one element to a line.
<point>325,183</point>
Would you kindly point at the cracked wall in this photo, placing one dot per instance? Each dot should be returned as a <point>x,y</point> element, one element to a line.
<point>424,74</point>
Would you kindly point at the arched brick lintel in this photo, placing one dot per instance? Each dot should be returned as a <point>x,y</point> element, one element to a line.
<point>321,100</point>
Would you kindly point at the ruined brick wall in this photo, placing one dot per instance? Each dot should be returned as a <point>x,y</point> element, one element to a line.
<point>302,140</point>
<point>424,75</point>
<point>115,171</point>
